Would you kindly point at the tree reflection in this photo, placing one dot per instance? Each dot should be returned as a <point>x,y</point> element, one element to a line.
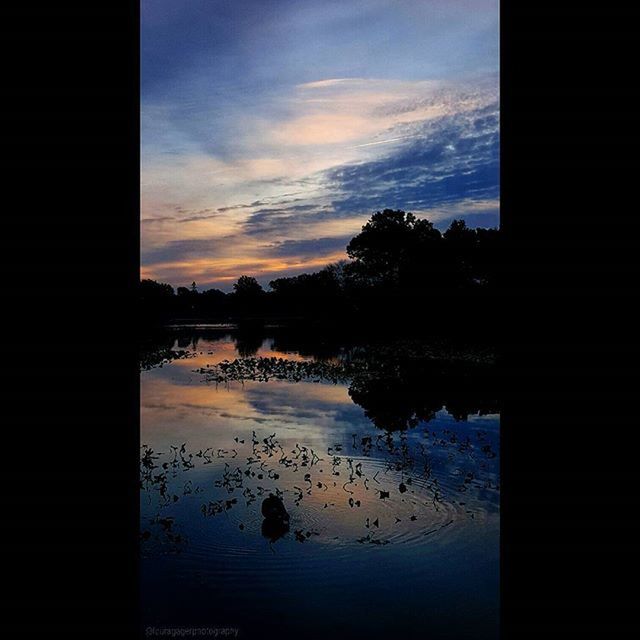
<point>393,405</point>
<point>248,339</point>
<point>397,383</point>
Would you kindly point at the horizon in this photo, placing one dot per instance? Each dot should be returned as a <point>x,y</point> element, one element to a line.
<point>266,284</point>
<point>264,160</point>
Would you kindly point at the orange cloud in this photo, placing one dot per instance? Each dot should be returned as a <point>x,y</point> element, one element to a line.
<point>229,269</point>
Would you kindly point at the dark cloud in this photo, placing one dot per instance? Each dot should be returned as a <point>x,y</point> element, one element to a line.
<point>276,220</point>
<point>177,250</point>
<point>156,220</point>
<point>313,247</point>
<point>454,158</point>
<point>448,161</point>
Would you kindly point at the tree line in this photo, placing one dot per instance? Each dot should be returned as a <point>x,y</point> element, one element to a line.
<point>398,265</point>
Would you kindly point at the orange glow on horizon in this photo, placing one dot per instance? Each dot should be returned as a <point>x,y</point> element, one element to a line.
<point>230,269</point>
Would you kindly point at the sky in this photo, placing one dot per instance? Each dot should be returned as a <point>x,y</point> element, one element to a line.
<point>271,130</point>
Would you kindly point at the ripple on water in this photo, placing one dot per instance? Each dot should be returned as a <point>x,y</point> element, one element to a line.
<point>341,514</point>
<point>386,502</point>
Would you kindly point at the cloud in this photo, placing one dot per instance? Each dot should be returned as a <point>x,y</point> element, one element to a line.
<point>441,168</point>
<point>272,131</point>
<point>452,158</point>
<point>311,247</point>
<point>185,250</point>
<point>448,165</point>
<point>329,82</point>
<point>350,110</point>
<point>222,273</point>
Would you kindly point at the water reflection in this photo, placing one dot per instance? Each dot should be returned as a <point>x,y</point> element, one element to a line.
<point>273,530</point>
<point>372,452</point>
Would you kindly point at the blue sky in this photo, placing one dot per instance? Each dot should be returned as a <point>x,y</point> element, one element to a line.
<point>273,129</point>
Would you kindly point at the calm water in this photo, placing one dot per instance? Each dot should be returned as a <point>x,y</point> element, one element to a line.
<point>393,533</point>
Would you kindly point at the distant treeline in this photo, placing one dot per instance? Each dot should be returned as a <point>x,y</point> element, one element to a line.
<point>399,265</point>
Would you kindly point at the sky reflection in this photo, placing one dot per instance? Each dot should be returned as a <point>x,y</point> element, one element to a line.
<point>390,531</point>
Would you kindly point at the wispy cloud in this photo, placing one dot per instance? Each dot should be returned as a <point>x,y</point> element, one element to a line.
<point>264,159</point>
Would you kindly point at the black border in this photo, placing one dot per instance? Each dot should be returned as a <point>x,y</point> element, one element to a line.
<point>70,266</point>
<point>570,329</point>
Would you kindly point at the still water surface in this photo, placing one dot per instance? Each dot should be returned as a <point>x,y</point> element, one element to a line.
<point>393,533</point>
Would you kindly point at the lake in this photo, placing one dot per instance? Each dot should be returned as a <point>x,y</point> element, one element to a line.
<point>385,455</point>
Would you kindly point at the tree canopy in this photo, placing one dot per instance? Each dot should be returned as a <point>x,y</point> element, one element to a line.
<point>396,262</point>
<point>247,287</point>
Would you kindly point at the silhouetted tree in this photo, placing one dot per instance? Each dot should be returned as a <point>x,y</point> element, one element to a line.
<point>398,264</point>
<point>382,243</point>
<point>248,287</point>
<point>150,290</point>
<point>213,303</point>
<point>248,296</point>
<point>319,293</point>
<point>396,249</point>
<point>156,299</point>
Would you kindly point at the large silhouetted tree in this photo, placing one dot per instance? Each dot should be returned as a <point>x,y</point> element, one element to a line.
<point>248,287</point>
<point>156,298</point>
<point>248,296</point>
<point>392,244</point>
<point>397,249</point>
<point>150,289</point>
<point>399,263</point>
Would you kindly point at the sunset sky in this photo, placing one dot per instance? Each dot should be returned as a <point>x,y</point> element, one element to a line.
<point>273,129</point>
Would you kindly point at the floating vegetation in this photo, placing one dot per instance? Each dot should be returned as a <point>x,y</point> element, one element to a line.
<point>381,458</point>
<point>397,389</point>
<point>159,357</point>
<point>265,369</point>
<point>406,481</point>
